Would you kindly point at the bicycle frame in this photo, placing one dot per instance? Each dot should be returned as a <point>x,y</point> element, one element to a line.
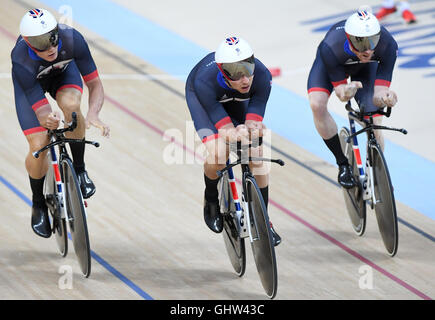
<point>59,184</point>
<point>365,177</point>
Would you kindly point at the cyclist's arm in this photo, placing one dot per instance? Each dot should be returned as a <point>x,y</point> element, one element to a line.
<point>337,74</point>
<point>96,96</point>
<point>347,91</point>
<point>83,57</point>
<point>215,110</point>
<point>257,103</point>
<point>382,94</point>
<point>35,96</point>
<point>88,69</point>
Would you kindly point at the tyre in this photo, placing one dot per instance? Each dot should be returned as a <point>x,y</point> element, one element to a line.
<point>76,217</point>
<point>355,204</point>
<point>234,245</point>
<point>58,223</point>
<point>385,206</point>
<point>262,244</point>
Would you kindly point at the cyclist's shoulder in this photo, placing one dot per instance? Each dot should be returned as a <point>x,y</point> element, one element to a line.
<point>387,47</point>
<point>205,70</point>
<point>387,38</point>
<point>23,58</point>
<point>335,33</point>
<point>70,36</point>
<point>262,76</point>
<point>19,50</point>
<point>260,68</point>
<point>207,64</point>
<point>68,31</point>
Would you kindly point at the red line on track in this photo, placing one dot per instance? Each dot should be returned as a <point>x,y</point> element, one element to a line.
<point>8,34</point>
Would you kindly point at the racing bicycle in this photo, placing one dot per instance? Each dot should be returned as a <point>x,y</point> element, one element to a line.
<point>374,186</point>
<point>64,198</point>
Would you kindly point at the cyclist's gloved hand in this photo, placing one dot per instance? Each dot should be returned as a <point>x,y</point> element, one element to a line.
<point>255,128</point>
<point>242,133</point>
<point>389,97</point>
<point>228,133</point>
<point>93,119</point>
<point>345,92</point>
<point>52,121</point>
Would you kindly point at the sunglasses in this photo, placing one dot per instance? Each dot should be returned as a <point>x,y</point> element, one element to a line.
<point>45,41</point>
<point>237,70</point>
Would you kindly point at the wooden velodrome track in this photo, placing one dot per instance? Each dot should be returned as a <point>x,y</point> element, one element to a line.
<point>147,233</point>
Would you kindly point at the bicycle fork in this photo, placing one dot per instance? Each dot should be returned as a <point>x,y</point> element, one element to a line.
<point>365,178</point>
<point>59,184</point>
<point>242,225</point>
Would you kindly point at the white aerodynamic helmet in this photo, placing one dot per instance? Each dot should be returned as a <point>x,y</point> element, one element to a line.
<point>363,30</point>
<point>235,58</point>
<point>39,29</point>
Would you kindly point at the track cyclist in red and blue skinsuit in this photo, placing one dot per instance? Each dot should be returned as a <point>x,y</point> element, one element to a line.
<point>51,57</point>
<point>361,49</point>
<point>227,93</point>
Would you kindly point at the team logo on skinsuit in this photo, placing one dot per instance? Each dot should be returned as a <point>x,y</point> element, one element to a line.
<point>232,41</point>
<point>56,68</point>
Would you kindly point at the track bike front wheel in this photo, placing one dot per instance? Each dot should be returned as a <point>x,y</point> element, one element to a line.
<point>355,204</point>
<point>262,244</point>
<point>54,207</point>
<point>385,206</point>
<point>76,217</point>
<point>234,244</point>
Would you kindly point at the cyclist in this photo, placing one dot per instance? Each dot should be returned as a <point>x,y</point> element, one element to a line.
<point>50,57</point>
<point>389,7</point>
<point>360,48</point>
<point>226,93</point>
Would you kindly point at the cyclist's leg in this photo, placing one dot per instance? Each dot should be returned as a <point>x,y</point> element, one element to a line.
<point>36,167</point>
<point>35,134</point>
<point>364,96</point>
<point>319,89</point>
<point>68,93</point>
<point>215,160</point>
<point>215,146</point>
<point>261,170</point>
